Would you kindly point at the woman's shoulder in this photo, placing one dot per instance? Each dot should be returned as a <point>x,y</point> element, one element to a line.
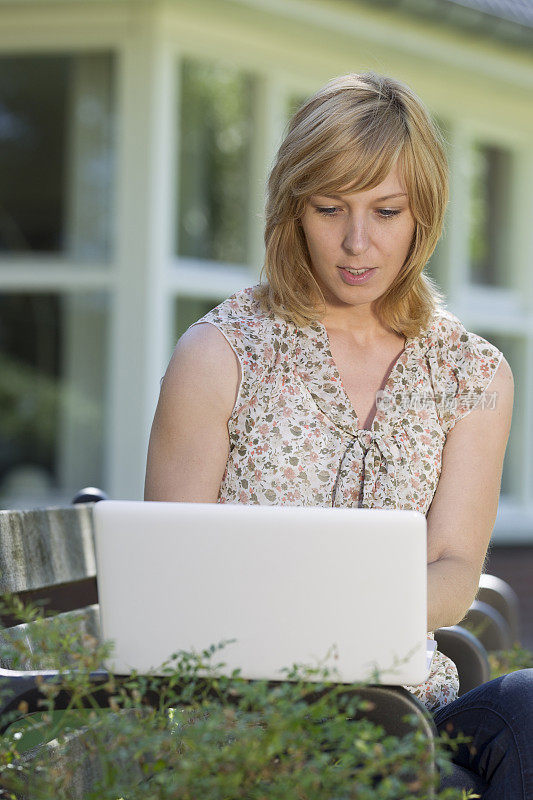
<point>462,365</point>
<point>242,310</point>
<point>255,335</point>
<point>444,327</point>
<point>242,315</point>
<point>452,342</point>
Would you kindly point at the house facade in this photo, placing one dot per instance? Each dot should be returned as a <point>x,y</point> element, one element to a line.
<point>135,140</point>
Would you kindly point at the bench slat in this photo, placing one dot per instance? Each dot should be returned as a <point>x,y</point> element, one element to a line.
<point>45,547</point>
<point>56,599</point>
<point>86,621</point>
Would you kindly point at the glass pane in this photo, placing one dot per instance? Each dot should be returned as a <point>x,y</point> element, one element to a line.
<point>52,386</point>
<point>56,155</point>
<point>513,348</point>
<point>190,309</point>
<point>216,129</point>
<point>489,215</point>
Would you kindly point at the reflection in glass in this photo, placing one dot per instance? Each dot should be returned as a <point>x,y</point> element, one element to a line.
<point>188,310</point>
<point>56,155</point>
<point>489,215</point>
<point>52,387</point>
<point>214,162</point>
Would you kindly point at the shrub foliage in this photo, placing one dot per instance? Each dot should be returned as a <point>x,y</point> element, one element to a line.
<point>189,732</point>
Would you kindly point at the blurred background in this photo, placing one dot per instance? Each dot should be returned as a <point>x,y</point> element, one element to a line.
<point>135,140</point>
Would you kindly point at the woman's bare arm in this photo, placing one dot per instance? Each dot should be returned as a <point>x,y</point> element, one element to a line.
<point>189,442</point>
<point>462,514</point>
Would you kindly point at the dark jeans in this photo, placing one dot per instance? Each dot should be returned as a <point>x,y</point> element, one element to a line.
<point>498,715</point>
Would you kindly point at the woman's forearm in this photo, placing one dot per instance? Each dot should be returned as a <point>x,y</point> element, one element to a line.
<point>452,587</point>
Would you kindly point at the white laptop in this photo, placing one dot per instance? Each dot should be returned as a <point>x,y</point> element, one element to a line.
<point>342,588</point>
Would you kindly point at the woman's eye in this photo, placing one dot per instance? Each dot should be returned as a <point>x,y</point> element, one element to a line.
<point>328,211</point>
<point>331,211</point>
<point>386,213</point>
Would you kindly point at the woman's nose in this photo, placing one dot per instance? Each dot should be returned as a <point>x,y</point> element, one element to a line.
<point>356,238</point>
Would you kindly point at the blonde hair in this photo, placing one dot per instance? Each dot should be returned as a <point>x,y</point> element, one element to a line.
<point>351,134</point>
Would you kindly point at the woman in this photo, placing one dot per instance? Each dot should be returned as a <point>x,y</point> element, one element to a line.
<point>342,381</point>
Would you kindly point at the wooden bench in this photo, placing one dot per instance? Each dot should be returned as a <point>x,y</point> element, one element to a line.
<point>48,556</point>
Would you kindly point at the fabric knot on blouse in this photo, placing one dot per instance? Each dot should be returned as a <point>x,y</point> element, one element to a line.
<point>295,437</point>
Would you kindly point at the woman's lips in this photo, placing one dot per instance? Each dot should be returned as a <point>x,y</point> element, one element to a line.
<point>355,280</point>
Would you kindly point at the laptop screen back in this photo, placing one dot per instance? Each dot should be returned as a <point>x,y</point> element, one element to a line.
<point>291,585</point>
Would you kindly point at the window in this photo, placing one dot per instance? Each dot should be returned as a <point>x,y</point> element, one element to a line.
<point>52,391</point>
<point>56,156</point>
<point>214,191</point>
<point>188,310</point>
<point>489,216</point>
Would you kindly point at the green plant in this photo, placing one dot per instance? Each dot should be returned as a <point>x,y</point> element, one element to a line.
<point>192,733</point>
<point>504,661</point>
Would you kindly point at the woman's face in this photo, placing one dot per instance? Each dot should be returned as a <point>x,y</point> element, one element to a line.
<point>370,230</point>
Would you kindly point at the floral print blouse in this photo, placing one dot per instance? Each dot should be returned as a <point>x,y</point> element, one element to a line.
<point>295,437</point>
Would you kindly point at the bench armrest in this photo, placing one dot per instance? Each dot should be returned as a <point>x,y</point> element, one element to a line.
<point>24,686</point>
<point>468,655</point>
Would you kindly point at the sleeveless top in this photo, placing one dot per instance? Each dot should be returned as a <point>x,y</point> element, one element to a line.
<point>295,438</point>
